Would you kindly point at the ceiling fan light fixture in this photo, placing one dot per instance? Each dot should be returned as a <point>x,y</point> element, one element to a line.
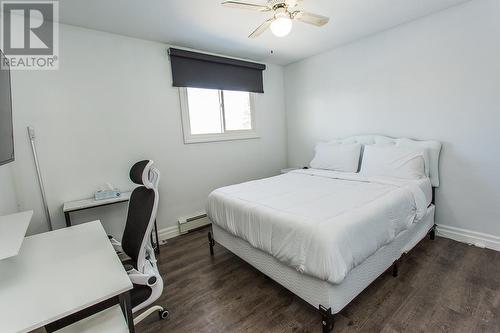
<point>281,26</point>
<point>285,11</point>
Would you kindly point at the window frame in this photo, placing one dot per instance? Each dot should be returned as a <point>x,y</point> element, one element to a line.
<point>226,135</point>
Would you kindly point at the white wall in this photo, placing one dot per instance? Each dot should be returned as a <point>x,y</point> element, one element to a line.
<point>8,194</point>
<point>112,103</point>
<point>435,78</point>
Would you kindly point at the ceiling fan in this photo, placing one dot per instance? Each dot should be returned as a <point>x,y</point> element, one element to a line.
<point>284,12</point>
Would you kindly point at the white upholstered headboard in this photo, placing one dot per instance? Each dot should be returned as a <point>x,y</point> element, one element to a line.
<point>433,149</point>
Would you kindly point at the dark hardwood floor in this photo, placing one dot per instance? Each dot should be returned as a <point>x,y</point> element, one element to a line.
<point>443,286</point>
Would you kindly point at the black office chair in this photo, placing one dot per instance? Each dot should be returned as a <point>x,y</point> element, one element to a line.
<point>136,244</point>
<point>136,241</point>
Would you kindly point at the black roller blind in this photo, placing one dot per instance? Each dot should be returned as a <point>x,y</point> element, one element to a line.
<point>199,70</point>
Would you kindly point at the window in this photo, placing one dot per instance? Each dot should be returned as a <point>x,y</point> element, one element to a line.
<point>217,115</point>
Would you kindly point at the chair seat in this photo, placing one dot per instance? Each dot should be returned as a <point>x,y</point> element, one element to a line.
<point>139,294</point>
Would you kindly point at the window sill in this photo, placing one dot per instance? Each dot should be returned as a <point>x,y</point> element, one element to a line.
<point>220,137</point>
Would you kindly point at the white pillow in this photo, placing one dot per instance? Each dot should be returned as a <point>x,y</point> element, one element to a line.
<point>392,161</point>
<point>423,146</point>
<point>338,157</point>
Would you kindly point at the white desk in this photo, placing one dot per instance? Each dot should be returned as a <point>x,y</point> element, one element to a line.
<point>59,273</point>
<point>108,321</point>
<point>75,206</point>
<point>12,231</point>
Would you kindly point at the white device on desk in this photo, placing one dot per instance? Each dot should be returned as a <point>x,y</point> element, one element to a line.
<point>107,191</point>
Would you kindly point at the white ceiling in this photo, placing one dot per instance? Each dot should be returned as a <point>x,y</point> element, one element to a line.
<point>206,25</point>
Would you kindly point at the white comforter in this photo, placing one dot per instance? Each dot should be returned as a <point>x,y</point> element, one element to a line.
<point>323,223</point>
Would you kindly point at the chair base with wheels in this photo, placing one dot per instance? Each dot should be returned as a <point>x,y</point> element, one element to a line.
<point>162,313</point>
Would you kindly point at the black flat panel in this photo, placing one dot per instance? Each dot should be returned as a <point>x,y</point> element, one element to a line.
<point>6,129</point>
<point>199,70</point>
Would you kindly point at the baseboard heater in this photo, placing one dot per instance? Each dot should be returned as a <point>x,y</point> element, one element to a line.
<point>196,221</point>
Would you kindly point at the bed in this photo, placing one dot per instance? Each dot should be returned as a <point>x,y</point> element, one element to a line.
<point>326,235</point>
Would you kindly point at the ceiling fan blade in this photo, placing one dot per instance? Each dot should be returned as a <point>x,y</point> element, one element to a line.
<point>310,18</point>
<point>246,5</point>
<point>263,27</point>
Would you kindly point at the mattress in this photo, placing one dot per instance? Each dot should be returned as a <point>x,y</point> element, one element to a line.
<point>316,291</point>
<point>321,223</point>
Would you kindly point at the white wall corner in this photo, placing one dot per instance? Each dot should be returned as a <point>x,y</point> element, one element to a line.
<point>475,238</point>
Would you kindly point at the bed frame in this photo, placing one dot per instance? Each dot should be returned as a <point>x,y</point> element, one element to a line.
<point>329,298</point>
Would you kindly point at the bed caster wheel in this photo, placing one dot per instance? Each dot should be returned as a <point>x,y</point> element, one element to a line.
<point>164,314</point>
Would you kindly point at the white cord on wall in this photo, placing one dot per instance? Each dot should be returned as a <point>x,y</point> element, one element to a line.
<point>31,136</point>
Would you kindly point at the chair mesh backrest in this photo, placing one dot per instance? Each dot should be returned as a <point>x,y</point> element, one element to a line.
<point>139,213</point>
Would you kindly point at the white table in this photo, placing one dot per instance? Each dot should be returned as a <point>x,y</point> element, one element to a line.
<point>78,205</point>
<point>12,231</point>
<point>108,321</point>
<point>59,273</point>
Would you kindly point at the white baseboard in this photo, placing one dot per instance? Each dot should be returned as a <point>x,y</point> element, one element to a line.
<point>187,224</point>
<point>167,233</point>
<point>475,238</point>
<point>171,232</point>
